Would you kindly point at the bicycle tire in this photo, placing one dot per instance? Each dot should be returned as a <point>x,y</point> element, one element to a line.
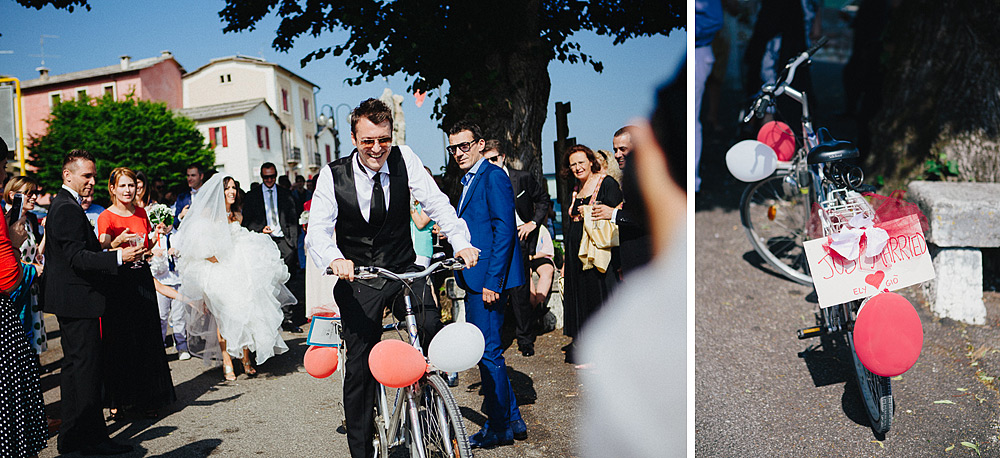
<point>876,393</point>
<point>775,220</point>
<point>441,421</point>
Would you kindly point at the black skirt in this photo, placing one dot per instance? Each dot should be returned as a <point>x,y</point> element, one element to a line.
<point>135,364</point>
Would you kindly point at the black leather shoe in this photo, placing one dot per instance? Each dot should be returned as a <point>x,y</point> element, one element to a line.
<point>528,350</point>
<point>291,327</point>
<point>107,447</point>
<point>519,429</point>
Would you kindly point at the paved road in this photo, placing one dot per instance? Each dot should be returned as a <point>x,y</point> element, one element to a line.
<point>286,412</point>
<point>760,392</point>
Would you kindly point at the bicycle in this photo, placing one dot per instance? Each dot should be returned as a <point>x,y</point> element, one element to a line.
<point>424,416</point>
<point>776,213</point>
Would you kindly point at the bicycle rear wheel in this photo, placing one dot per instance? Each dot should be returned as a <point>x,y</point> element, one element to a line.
<point>775,217</point>
<point>876,393</point>
<point>441,421</point>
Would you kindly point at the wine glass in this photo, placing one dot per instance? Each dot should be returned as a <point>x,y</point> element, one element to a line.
<point>137,240</point>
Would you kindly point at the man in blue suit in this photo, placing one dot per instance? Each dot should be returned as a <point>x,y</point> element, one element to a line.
<point>195,176</point>
<point>487,206</point>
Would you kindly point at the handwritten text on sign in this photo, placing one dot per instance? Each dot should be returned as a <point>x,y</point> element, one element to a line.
<point>903,262</point>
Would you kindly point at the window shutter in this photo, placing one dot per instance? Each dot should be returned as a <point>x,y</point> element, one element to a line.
<point>305,108</point>
<point>211,136</point>
<point>225,142</point>
<point>260,137</point>
<point>284,100</point>
<point>327,153</point>
<point>267,137</point>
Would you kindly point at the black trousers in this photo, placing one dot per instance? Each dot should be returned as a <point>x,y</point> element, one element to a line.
<point>361,311</point>
<point>82,415</point>
<point>520,304</point>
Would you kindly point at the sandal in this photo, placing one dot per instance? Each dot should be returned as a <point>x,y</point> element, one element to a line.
<point>248,368</point>
<point>227,371</point>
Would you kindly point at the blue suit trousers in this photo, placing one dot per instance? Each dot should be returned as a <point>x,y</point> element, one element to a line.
<point>500,405</point>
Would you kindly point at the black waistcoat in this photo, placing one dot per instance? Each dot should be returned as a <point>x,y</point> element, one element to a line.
<point>390,246</point>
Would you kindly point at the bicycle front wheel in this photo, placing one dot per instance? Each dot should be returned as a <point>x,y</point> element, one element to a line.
<point>775,217</point>
<point>441,421</point>
<point>876,393</point>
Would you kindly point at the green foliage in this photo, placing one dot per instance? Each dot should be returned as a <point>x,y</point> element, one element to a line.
<point>435,41</point>
<point>940,168</point>
<point>141,135</point>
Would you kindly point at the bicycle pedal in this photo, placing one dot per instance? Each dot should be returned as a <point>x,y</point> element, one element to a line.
<point>807,333</point>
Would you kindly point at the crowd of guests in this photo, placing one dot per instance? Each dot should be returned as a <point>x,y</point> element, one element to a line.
<point>210,263</point>
<point>126,282</point>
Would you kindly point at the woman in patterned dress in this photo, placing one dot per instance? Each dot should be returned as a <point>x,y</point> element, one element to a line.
<point>23,431</point>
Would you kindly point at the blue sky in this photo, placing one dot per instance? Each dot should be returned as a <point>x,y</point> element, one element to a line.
<point>192,31</point>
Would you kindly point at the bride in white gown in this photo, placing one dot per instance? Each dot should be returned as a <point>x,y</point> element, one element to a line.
<point>237,276</point>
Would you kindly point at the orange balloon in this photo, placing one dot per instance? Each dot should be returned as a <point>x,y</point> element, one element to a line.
<point>321,362</point>
<point>780,138</point>
<point>396,364</point>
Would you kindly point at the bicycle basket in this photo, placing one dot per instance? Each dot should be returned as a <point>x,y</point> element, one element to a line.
<point>843,204</point>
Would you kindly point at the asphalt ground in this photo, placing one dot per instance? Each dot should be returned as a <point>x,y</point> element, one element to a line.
<point>286,412</point>
<point>761,392</point>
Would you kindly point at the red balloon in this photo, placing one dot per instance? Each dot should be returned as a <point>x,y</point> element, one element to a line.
<point>321,362</point>
<point>396,364</point>
<point>888,335</point>
<point>780,138</point>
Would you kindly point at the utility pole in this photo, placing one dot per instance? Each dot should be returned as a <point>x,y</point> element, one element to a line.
<point>561,144</point>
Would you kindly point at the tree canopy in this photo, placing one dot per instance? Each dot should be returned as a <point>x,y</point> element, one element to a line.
<point>494,55</point>
<point>141,135</point>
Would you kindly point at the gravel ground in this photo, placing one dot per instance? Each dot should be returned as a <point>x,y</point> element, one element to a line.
<point>286,412</point>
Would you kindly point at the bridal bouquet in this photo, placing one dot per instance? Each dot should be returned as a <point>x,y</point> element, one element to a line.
<point>159,213</point>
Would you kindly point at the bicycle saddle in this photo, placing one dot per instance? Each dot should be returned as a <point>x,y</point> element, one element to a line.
<point>830,149</point>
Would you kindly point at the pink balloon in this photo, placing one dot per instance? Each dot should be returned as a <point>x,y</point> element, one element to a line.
<point>321,362</point>
<point>888,335</point>
<point>780,138</point>
<point>396,364</point>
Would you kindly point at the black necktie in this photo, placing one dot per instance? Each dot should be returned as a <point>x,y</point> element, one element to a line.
<point>376,215</point>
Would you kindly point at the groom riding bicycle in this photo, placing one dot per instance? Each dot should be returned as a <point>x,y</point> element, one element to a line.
<point>360,215</point>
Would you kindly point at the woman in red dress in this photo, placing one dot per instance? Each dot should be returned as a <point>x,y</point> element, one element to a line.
<point>136,371</point>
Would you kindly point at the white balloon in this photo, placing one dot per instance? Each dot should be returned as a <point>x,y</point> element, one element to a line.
<point>457,347</point>
<point>751,160</point>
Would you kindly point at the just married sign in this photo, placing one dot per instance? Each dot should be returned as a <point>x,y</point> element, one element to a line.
<point>866,259</point>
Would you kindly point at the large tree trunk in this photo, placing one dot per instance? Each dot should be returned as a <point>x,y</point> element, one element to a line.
<point>505,92</point>
<point>942,90</point>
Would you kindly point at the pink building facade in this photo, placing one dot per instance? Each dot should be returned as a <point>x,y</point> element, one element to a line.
<point>156,78</point>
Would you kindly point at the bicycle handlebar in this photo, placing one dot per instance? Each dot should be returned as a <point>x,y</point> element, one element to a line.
<point>770,91</point>
<point>371,272</point>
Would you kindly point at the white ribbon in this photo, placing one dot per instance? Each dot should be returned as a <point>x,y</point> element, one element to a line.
<point>847,243</point>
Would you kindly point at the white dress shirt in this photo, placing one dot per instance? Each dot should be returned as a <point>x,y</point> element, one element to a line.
<point>321,240</point>
<point>271,210</point>
<point>78,199</point>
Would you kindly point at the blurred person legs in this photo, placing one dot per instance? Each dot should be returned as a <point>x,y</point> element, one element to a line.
<point>172,320</point>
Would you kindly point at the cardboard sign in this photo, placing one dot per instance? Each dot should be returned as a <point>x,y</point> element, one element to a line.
<point>903,262</point>
<point>324,331</point>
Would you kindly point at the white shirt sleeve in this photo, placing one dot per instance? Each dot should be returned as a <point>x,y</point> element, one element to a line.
<point>320,238</point>
<point>435,203</point>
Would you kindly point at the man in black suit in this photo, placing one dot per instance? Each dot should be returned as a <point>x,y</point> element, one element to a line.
<point>75,292</point>
<point>531,210</point>
<point>633,233</point>
<point>272,210</point>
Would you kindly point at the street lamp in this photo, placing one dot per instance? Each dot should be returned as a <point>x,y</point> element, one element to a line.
<point>330,121</point>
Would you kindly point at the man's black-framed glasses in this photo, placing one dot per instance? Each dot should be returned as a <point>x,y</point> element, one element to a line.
<point>370,142</point>
<point>464,146</point>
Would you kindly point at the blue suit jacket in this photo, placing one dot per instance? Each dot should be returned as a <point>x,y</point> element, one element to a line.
<point>488,210</point>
